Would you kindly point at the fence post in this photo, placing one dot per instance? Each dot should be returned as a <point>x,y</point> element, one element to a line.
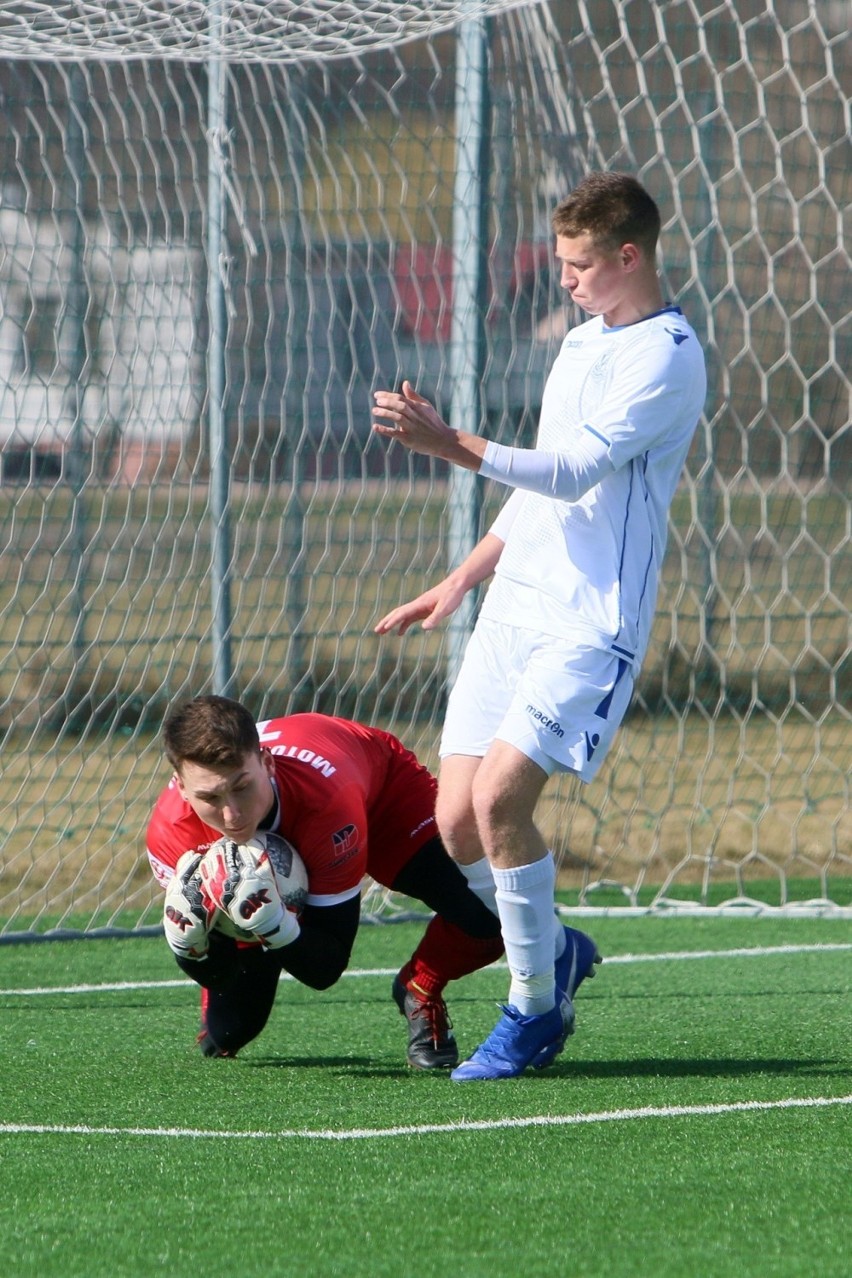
<point>220,460</point>
<point>74,356</point>
<point>469,298</point>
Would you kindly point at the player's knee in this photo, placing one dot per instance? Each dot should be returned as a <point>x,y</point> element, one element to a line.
<point>457,826</point>
<point>235,1017</point>
<point>320,980</point>
<point>231,1033</point>
<point>504,804</point>
<point>492,809</point>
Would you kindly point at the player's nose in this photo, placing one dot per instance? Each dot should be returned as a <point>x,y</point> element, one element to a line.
<point>232,815</point>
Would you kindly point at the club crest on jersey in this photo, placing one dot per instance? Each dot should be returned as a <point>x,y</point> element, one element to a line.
<point>601,370</point>
<point>345,842</point>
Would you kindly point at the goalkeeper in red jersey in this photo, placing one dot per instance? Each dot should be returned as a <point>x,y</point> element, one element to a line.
<point>353,801</point>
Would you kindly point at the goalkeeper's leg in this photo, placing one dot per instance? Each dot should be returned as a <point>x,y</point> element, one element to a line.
<point>464,935</point>
<point>446,953</point>
<point>239,985</point>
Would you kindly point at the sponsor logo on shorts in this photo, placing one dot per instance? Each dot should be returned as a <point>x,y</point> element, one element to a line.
<point>551,724</point>
<point>592,743</point>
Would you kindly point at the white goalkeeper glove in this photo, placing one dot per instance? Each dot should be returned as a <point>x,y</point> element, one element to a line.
<point>246,895</point>
<point>188,911</point>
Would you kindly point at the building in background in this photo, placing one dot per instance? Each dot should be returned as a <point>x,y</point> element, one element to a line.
<point>134,350</point>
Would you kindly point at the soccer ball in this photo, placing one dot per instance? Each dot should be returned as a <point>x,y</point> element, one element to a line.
<point>267,858</point>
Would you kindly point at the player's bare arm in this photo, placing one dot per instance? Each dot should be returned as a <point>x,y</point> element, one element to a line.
<point>430,608</point>
<point>433,606</point>
<point>414,422</point>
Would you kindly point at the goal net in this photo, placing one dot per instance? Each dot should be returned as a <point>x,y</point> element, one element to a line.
<point>223,225</point>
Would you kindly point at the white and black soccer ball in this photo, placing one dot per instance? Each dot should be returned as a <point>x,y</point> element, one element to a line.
<point>267,858</point>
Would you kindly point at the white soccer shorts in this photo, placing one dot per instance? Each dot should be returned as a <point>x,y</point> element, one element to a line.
<point>559,702</point>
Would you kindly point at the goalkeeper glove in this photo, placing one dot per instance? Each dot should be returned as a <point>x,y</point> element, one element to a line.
<point>188,912</point>
<point>246,893</point>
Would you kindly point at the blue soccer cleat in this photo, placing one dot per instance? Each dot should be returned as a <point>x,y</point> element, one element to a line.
<point>515,1042</point>
<point>575,964</point>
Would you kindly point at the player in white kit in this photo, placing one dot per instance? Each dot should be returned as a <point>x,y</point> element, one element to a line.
<point>575,554</point>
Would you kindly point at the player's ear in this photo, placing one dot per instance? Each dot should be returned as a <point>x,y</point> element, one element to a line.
<point>631,256</point>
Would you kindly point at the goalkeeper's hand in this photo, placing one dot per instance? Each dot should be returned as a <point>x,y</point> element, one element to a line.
<point>246,893</point>
<point>188,911</point>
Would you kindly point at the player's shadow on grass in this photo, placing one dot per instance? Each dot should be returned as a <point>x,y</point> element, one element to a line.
<point>721,1067</point>
<point>728,1067</point>
<point>360,1066</point>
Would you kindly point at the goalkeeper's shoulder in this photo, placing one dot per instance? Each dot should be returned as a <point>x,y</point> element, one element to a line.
<point>173,829</point>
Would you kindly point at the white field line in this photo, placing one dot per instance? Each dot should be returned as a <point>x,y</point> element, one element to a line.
<point>421,1129</point>
<point>671,956</point>
<point>367,1133</point>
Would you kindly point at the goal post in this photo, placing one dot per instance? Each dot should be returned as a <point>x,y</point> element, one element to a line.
<point>195,309</point>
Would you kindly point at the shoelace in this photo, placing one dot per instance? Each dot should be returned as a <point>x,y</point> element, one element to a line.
<point>504,1032</point>
<point>434,1011</point>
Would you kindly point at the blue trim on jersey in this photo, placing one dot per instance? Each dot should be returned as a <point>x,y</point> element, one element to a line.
<point>666,310</point>
<point>643,462</point>
<point>624,538</point>
<point>648,566</point>
<point>597,434</point>
<point>626,521</point>
<point>644,589</point>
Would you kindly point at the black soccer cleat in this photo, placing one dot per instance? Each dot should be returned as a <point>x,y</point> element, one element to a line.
<point>208,1048</point>
<point>431,1044</point>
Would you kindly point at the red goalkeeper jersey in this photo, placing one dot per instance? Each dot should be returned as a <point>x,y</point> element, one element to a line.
<point>351,799</point>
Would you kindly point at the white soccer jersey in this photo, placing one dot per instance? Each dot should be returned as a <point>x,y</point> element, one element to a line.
<point>585,530</point>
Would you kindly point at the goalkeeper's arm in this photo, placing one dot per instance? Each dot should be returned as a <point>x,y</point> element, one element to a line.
<point>318,956</point>
<point>314,946</point>
<point>320,953</point>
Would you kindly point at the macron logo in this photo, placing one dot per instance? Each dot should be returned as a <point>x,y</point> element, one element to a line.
<point>550,724</point>
<point>676,337</point>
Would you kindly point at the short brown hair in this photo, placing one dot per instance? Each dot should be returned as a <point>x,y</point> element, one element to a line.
<point>614,209</point>
<point>214,732</point>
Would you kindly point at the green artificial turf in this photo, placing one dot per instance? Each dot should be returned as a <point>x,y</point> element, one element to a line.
<point>318,1152</point>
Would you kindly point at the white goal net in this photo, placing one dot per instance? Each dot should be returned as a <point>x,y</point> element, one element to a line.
<point>223,224</point>
<point>256,31</point>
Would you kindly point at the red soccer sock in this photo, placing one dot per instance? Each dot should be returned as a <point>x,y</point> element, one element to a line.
<point>446,954</point>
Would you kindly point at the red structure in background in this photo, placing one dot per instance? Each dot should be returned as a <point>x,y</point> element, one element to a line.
<point>423,281</point>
